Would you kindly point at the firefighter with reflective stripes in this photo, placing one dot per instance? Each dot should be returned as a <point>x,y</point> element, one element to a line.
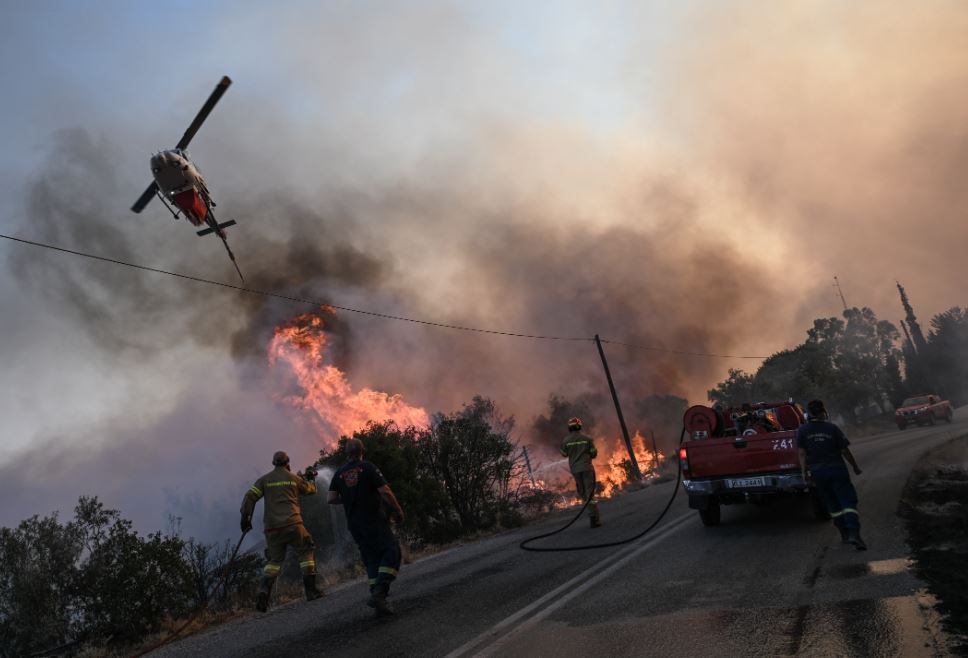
<point>580,450</point>
<point>361,489</point>
<point>283,522</point>
<point>823,447</point>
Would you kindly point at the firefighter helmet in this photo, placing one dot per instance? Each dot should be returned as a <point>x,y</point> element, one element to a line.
<point>280,458</point>
<point>574,423</point>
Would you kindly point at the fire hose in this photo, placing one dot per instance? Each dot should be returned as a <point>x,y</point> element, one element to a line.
<point>201,608</point>
<point>524,545</point>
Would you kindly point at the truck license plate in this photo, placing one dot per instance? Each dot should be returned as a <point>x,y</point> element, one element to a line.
<point>746,482</point>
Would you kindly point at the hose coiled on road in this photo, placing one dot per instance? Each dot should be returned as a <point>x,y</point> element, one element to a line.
<point>524,545</point>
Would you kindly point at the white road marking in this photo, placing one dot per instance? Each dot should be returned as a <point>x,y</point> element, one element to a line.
<point>492,639</point>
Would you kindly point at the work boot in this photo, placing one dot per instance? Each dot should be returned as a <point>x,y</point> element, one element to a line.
<point>378,600</point>
<point>595,522</point>
<point>309,583</point>
<point>262,598</point>
<point>371,601</point>
<point>855,539</point>
<point>844,536</point>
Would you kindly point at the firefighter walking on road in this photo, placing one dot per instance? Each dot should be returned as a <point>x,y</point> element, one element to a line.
<point>361,489</point>
<point>823,447</point>
<point>283,522</point>
<point>580,451</point>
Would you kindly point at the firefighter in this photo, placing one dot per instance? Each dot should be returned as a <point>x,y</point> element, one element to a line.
<point>580,451</point>
<point>361,489</point>
<point>283,524</point>
<point>822,448</point>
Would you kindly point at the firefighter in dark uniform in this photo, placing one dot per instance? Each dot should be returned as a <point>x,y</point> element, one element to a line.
<point>580,451</point>
<point>823,447</point>
<point>283,524</point>
<point>361,489</point>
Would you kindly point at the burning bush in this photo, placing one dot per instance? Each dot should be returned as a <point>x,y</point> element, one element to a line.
<point>458,476</point>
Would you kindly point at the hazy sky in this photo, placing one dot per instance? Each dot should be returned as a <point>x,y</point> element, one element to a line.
<point>682,174</point>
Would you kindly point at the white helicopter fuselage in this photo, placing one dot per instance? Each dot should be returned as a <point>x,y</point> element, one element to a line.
<point>181,183</point>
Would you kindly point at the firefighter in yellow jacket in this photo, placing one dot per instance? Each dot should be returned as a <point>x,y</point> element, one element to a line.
<point>580,450</point>
<point>284,527</point>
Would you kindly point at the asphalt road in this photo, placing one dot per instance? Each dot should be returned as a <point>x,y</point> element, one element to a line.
<point>767,582</point>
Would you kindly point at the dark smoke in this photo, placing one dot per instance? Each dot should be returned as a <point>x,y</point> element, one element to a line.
<point>768,159</point>
<point>644,281</point>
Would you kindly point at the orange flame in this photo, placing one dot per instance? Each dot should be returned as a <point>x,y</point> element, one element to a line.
<point>613,474</point>
<point>332,406</point>
<point>611,467</point>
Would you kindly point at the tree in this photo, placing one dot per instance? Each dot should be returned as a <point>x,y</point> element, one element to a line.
<point>786,374</point>
<point>471,453</point>
<point>734,391</point>
<point>947,352</point>
<point>91,579</point>
<point>852,363</point>
<point>127,585</point>
<point>36,582</point>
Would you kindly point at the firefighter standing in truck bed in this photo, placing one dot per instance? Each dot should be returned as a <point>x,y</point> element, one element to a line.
<point>580,451</point>
<point>823,447</point>
<point>283,524</point>
<point>361,489</point>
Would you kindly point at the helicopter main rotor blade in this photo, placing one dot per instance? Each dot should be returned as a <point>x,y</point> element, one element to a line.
<point>204,112</point>
<point>147,196</point>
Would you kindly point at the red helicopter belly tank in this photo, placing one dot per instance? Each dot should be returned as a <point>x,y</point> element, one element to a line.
<point>178,183</point>
<point>178,179</point>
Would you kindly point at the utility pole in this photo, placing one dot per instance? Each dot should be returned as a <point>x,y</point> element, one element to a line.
<point>636,473</point>
<point>840,291</point>
<point>527,461</point>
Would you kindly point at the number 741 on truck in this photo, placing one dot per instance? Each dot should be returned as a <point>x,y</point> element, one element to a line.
<point>745,454</point>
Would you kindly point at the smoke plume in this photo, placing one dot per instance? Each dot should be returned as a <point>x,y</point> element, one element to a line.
<point>770,149</point>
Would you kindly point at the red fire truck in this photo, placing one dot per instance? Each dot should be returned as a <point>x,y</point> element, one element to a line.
<point>742,455</point>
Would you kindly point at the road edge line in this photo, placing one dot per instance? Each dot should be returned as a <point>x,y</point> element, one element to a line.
<point>492,636</point>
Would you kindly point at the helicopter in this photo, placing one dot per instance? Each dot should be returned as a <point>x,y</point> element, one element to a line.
<point>179,185</point>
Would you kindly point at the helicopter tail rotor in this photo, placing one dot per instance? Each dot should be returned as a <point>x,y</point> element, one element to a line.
<point>210,229</point>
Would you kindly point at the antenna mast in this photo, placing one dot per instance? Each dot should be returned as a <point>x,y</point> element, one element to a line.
<point>840,291</point>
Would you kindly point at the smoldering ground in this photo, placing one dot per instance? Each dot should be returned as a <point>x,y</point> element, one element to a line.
<point>710,222</point>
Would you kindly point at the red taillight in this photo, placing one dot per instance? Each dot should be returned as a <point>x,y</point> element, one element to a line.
<point>683,454</point>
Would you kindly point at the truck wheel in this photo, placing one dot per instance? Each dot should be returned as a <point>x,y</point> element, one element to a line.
<point>902,426</point>
<point>711,515</point>
<point>820,512</point>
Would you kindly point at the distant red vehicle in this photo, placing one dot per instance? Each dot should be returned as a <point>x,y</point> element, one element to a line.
<point>742,455</point>
<point>923,409</point>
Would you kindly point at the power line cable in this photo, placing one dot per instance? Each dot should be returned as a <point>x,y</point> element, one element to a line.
<point>385,316</point>
<point>681,352</point>
<point>300,300</point>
